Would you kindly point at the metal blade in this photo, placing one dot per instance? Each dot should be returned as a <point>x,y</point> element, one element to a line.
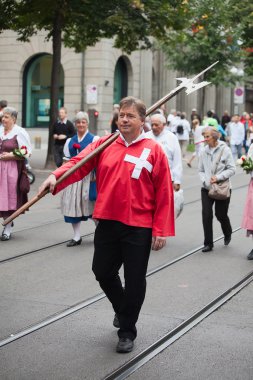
<point>185,83</point>
<point>195,87</point>
<point>189,83</point>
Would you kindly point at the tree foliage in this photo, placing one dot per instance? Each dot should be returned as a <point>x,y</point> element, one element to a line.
<point>209,35</point>
<point>84,22</point>
<point>243,15</point>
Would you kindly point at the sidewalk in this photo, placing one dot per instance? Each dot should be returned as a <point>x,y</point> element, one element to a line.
<point>39,140</point>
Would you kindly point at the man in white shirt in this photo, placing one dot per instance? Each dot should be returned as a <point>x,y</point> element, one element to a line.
<point>170,119</point>
<point>182,130</point>
<point>236,134</point>
<point>170,145</point>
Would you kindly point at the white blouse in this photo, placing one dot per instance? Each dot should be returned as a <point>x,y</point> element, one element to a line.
<point>22,137</point>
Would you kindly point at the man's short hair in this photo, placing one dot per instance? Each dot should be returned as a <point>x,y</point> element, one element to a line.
<point>160,117</point>
<point>132,101</point>
<point>3,103</point>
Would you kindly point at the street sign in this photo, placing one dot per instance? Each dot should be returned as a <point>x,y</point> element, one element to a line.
<point>239,95</point>
<point>91,94</point>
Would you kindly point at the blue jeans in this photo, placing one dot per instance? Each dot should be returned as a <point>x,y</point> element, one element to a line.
<point>236,151</point>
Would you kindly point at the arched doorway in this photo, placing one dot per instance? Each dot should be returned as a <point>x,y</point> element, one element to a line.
<point>36,91</point>
<point>120,80</point>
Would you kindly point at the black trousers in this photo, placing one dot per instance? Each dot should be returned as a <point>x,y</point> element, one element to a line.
<point>117,244</point>
<point>58,155</point>
<point>221,213</point>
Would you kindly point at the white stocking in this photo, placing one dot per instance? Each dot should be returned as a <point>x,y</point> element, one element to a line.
<point>77,233</point>
<point>7,229</point>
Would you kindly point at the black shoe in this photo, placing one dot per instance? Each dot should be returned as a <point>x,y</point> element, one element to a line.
<point>73,242</point>
<point>207,248</point>
<point>250,255</point>
<point>125,345</point>
<point>5,237</point>
<point>116,321</point>
<point>227,240</point>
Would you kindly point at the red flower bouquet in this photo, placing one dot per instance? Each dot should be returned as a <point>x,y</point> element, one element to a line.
<point>246,163</point>
<point>21,152</point>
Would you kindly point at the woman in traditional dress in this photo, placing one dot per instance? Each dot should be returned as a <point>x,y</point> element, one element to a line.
<point>77,202</point>
<point>247,222</point>
<point>11,166</point>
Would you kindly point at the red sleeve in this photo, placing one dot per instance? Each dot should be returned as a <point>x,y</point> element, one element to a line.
<point>164,220</point>
<point>82,171</point>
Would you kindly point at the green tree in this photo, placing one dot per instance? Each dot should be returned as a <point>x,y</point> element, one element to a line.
<point>209,36</point>
<point>81,23</point>
<point>243,16</point>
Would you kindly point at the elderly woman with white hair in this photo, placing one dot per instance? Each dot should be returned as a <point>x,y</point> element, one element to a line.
<point>77,201</point>
<point>15,146</point>
<point>215,164</point>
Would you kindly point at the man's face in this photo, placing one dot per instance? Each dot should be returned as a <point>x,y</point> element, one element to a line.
<point>156,125</point>
<point>62,114</point>
<point>130,123</point>
<point>236,118</point>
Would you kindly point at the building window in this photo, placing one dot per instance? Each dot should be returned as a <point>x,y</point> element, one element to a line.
<point>120,80</point>
<point>36,91</point>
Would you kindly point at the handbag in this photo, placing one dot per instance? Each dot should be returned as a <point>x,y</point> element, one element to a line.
<point>178,202</point>
<point>219,190</point>
<point>93,187</point>
<point>180,129</point>
<point>24,183</point>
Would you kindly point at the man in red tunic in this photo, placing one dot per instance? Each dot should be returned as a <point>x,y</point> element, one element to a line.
<point>135,211</point>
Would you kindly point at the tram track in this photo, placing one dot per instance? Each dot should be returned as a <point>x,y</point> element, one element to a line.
<point>20,255</point>
<point>92,300</point>
<point>171,336</point>
<point>40,225</point>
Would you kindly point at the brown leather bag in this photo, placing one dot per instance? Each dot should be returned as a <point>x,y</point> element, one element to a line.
<point>220,190</point>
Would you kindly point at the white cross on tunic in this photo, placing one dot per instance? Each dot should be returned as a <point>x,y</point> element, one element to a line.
<point>140,163</point>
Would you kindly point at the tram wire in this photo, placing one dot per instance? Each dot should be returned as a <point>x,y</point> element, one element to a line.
<point>171,336</point>
<point>90,301</point>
